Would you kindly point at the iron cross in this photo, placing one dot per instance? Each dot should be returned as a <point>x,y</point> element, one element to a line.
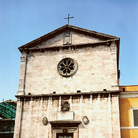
<point>68,18</point>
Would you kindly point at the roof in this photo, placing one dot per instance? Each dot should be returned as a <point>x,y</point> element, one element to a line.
<point>102,36</point>
<point>8,109</point>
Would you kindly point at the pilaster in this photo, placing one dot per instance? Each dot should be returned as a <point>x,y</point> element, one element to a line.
<point>21,89</point>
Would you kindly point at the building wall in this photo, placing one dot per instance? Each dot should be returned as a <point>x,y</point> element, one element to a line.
<point>102,111</point>
<point>97,70</point>
<point>127,102</point>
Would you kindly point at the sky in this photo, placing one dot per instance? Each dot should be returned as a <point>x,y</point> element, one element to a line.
<point>22,21</point>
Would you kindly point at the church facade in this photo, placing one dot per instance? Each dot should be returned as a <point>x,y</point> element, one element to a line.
<point>69,86</point>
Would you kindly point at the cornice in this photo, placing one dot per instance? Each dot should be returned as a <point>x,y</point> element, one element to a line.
<point>68,94</point>
<point>73,46</point>
<point>131,94</point>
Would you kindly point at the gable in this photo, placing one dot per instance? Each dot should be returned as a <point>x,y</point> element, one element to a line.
<point>75,39</point>
<point>78,36</point>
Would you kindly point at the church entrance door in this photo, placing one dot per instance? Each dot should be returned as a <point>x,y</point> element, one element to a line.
<point>64,135</point>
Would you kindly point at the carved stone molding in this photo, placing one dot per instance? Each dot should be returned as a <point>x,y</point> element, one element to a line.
<point>65,106</point>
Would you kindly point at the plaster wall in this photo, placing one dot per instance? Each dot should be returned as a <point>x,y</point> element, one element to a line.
<point>128,130</point>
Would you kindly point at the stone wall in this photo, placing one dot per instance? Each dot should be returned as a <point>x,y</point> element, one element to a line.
<point>39,78</point>
<point>97,70</point>
<point>76,38</point>
<point>102,111</point>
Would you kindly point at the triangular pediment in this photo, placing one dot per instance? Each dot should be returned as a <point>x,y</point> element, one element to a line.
<point>68,35</point>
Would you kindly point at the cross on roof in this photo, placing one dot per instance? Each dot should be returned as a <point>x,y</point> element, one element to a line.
<point>68,18</point>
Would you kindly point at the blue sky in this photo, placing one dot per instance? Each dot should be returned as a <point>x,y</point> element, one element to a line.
<point>22,21</point>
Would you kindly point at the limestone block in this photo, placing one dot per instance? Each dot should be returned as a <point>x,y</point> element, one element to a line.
<point>65,116</point>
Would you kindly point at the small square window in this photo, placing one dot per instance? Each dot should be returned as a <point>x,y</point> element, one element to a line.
<point>135,117</point>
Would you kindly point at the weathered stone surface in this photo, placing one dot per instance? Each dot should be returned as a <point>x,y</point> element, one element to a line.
<point>75,39</point>
<point>97,70</point>
<point>101,110</point>
<point>65,116</point>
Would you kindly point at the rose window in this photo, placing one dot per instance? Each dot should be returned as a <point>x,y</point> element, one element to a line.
<point>67,67</point>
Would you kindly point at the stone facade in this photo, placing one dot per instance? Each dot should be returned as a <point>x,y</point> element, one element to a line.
<point>102,111</point>
<point>92,91</point>
<point>98,65</point>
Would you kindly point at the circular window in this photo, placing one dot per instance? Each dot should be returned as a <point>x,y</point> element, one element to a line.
<point>67,67</point>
